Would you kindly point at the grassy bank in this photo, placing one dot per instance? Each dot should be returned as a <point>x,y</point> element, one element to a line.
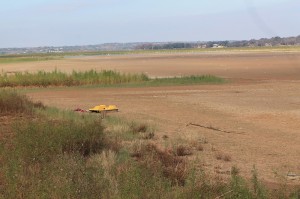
<point>101,78</point>
<point>57,78</point>
<point>61,154</point>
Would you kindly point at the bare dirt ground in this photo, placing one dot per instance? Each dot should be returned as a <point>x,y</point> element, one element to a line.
<point>262,113</point>
<point>265,65</point>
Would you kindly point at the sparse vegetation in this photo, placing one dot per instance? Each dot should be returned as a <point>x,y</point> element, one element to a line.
<point>197,145</point>
<point>101,78</point>
<point>223,156</point>
<point>60,154</point>
<point>57,78</point>
<point>138,128</point>
<point>163,162</point>
<point>183,150</point>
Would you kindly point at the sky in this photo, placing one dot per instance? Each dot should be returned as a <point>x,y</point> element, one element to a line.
<point>32,23</point>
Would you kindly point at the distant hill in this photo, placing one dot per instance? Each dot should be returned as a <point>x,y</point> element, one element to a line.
<point>274,41</point>
<point>61,49</point>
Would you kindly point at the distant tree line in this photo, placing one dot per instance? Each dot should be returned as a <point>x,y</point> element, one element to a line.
<point>274,41</point>
<point>157,46</point>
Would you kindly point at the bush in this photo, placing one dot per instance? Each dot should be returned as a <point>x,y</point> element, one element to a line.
<point>12,103</point>
<point>183,150</point>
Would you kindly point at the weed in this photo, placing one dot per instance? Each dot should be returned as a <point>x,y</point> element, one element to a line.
<point>219,156</point>
<point>238,187</point>
<point>142,130</point>
<point>149,136</point>
<point>295,195</point>
<point>183,150</point>
<point>11,102</point>
<point>258,189</point>
<point>223,156</point>
<point>162,161</point>
<point>227,158</point>
<point>197,145</point>
<point>138,128</point>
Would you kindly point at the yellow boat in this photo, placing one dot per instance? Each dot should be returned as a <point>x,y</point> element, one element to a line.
<point>100,108</point>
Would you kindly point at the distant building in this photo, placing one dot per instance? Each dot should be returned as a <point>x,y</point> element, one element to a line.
<point>217,46</point>
<point>202,46</point>
<point>55,51</point>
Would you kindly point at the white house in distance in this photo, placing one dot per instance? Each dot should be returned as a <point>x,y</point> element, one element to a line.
<point>217,46</point>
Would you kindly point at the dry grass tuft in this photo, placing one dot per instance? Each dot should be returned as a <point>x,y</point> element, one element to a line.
<point>39,105</point>
<point>197,145</point>
<point>223,156</point>
<point>142,130</point>
<point>162,161</point>
<point>138,128</point>
<point>218,156</point>
<point>183,150</point>
<point>227,158</point>
<point>85,148</point>
<point>149,136</point>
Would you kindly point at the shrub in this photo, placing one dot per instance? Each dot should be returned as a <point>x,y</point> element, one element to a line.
<point>183,150</point>
<point>12,103</point>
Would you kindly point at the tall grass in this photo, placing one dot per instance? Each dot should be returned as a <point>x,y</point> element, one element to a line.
<point>102,78</point>
<point>186,80</point>
<point>58,78</point>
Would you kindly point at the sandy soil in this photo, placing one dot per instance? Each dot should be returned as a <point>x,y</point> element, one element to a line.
<point>262,116</point>
<point>230,65</point>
